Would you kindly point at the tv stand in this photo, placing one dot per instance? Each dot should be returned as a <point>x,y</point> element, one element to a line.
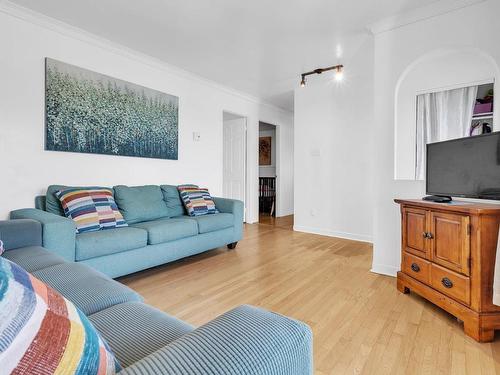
<point>437,198</point>
<point>448,257</point>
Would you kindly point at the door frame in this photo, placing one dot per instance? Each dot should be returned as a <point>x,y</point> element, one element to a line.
<point>245,159</point>
<point>277,161</point>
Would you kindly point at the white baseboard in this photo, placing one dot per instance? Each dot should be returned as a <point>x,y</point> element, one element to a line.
<point>284,213</point>
<point>384,269</point>
<point>333,233</point>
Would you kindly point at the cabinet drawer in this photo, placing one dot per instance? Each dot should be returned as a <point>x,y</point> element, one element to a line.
<point>450,283</point>
<point>416,267</point>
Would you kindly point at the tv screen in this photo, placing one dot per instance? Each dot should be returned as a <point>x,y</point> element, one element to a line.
<point>465,167</point>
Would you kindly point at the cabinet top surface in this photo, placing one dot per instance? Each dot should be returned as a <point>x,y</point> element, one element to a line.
<point>455,206</point>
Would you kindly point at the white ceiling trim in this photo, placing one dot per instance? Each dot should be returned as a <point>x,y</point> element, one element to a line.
<point>65,29</point>
<point>420,14</point>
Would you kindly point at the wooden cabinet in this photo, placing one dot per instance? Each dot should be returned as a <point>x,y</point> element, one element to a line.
<point>448,257</point>
<point>449,236</point>
<point>415,225</point>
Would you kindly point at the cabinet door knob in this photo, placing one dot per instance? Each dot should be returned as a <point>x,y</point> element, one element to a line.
<point>429,235</point>
<point>447,283</point>
<point>424,234</point>
<point>415,267</point>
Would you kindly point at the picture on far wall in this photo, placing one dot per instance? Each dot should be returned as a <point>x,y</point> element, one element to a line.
<point>93,113</point>
<point>265,150</point>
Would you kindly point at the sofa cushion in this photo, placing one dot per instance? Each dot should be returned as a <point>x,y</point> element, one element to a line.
<point>197,201</point>
<point>173,200</point>
<point>90,290</point>
<point>33,258</point>
<point>52,203</point>
<point>166,230</point>
<point>211,223</point>
<point>109,241</point>
<point>135,330</point>
<point>140,203</point>
<point>41,332</point>
<point>92,208</point>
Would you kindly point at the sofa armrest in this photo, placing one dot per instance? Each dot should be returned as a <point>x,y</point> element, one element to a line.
<point>58,233</point>
<point>246,340</point>
<point>235,207</point>
<point>20,233</point>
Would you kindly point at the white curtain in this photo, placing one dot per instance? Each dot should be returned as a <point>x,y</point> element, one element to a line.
<point>441,116</point>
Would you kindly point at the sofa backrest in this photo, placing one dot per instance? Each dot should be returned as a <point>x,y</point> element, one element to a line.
<point>52,203</point>
<point>140,203</point>
<point>139,194</point>
<point>40,203</point>
<point>173,200</point>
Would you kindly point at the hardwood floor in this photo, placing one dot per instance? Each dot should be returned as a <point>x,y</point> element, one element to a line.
<point>361,323</point>
<point>284,222</point>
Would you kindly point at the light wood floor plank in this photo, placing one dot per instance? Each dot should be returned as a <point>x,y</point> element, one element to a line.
<point>361,323</point>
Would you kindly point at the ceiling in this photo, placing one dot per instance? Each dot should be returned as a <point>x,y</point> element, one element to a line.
<point>259,47</point>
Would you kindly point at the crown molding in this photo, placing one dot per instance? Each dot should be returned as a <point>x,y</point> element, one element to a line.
<point>420,14</point>
<point>67,30</point>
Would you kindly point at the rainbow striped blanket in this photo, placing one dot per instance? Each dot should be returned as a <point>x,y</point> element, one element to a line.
<point>41,332</point>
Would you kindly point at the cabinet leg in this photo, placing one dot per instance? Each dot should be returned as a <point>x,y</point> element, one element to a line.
<point>473,329</point>
<point>401,287</point>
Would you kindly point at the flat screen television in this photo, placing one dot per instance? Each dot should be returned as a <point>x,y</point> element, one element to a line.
<point>465,167</point>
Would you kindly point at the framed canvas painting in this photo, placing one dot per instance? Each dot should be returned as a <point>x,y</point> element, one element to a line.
<point>93,113</point>
<point>265,150</point>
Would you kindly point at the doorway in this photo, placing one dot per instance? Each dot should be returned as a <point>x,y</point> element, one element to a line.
<point>234,157</point>
<point>267,170</point>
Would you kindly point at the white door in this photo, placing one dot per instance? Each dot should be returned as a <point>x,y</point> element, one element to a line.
<point>234,168</point>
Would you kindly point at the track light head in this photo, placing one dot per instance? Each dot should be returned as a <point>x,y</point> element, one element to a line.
<point>339,73</point>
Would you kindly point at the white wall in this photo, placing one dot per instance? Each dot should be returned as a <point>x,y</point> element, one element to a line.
<point>285,160</point>
<point>269,170</point>
<point>397,53</point>
<point>27,38</point>
<point>437,71</point>
<point>333,153</point>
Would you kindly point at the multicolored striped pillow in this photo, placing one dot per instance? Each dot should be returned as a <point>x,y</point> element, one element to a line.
<point>91,209</point>
<point>41,332</point>
<point>197,201</point>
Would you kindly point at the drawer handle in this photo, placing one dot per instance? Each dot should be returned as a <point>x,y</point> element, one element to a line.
<point>415,267</point>
<point>447,283</point>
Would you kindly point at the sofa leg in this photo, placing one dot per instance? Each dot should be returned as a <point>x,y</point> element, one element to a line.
<point>232,245</point>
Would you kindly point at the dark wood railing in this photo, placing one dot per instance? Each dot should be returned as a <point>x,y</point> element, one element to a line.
<point>267,195</point>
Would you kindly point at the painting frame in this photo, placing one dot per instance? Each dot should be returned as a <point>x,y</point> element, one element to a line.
<point>94,113</point>
<point>265,151</point>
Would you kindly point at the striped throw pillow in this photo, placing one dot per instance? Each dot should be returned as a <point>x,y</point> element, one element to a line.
<point>91,209</point>
<point>196,200</point>
<point>41,332</point>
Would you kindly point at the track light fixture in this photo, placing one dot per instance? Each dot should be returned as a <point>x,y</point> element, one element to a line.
<point>339,73</point>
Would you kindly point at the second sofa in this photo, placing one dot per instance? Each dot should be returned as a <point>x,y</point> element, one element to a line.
<point>159,230</point>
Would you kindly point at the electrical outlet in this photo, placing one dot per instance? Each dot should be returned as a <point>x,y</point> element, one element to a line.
<point>196,136</point>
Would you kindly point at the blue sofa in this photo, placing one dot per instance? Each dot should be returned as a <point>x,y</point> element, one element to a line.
<point>159,230</point>
<point>244,341</point>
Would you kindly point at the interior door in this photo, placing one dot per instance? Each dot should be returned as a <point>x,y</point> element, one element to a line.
<point>450,245</point>
<point>234,154</point>
<point>415,232</point>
